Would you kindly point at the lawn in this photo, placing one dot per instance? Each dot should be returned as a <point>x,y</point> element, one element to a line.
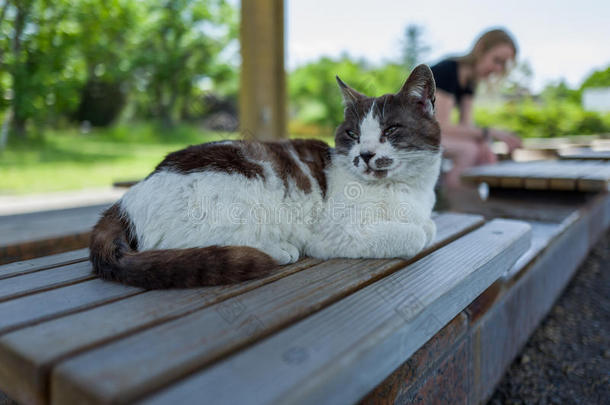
<point>69,159</point>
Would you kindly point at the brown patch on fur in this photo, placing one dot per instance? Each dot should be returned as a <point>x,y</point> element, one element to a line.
<point>223,157</point>
<point>114,257</point>
<point>285,167</point>
<point>316,155</point>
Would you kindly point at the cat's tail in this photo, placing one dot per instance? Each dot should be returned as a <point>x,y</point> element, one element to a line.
<point>114,255</point>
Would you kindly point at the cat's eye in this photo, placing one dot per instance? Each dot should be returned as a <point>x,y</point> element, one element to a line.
<point>390,130</point>
<point>351,134</point>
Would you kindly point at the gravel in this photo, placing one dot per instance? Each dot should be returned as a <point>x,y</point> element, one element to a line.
<point>567,359</point>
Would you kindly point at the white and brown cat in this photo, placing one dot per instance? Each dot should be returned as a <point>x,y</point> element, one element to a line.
<point>229,211</point>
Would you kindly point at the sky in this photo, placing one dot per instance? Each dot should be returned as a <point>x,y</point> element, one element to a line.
<point>559,39</point>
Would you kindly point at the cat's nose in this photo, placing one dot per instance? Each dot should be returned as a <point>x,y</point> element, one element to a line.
<point>366,156</point>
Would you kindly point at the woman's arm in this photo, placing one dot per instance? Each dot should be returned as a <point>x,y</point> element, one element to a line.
<point>444,104</point>
<point>466,129</point>
<point>466,107</point>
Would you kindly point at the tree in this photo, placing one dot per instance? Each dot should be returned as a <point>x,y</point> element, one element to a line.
<point>107,41</point>
<point>599,78</point>
<point>414,49</point>
<point>36,55</point>
<point>181,44</point>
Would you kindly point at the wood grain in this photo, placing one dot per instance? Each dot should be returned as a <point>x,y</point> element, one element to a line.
<point>566,175</point>
<point>340,353</point>
<point>26,310</point>
<point>31,283</point>
<point>43,263</point>
<point>174,348</point>
<point>31,352</point>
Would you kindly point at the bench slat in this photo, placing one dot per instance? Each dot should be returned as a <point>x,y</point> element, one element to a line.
<point>343,351</point>
<point>27,355</point>
<point>176,347</point>
<point>43,263</point>
<point>44,280</point>
<point>544,175</point>
<point>26,310</point>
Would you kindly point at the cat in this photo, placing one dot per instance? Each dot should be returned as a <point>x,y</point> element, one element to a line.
<point>225,212</point>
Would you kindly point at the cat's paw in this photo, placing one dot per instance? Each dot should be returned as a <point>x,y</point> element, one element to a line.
<point>414,241</point>
<point>430,231</point>
<point>283,253</point>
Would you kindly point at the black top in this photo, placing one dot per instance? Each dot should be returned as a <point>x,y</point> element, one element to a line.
<point>446,78</point>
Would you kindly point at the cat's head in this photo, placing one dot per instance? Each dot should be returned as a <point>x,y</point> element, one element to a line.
<point>384,137</point>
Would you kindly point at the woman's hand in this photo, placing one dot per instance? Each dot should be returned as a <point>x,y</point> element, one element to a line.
<point>511,140</point>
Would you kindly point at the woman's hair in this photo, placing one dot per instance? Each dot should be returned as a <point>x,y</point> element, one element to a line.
<point>484,43</point>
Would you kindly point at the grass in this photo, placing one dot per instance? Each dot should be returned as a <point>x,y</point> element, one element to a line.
<point>68,159</point>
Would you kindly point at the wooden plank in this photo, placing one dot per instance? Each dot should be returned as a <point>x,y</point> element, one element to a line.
<point>591,181</point>
<point>27,355</point>
<point>44,280</point>
<point>43,247</point>
<point>26,236</point>
<point>322,359</point>
<point>31,352</point>
<point>34,308</point>
<point>43,263</point>
<point>24,228</point>
<point>587,154</point>
<point>204,336</point>
<point>262,98</point>
<point>543,233</point>
<point>562,175</point>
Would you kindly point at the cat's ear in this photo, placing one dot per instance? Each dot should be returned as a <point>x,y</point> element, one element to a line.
<point>420,87</point>
<point>349,95</point>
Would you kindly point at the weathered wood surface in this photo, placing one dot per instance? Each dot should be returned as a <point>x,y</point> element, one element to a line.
<point>25,284</point>
<point>543,234</point>
<point>42,263</point>
<point>45,305</point>
<point>46,333</point>
<point>585,154</point>
<point>544,175</point>
<point>322,358</point>
<point>26,236</point>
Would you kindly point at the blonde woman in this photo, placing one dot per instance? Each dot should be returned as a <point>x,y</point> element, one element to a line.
<point>456,80</point>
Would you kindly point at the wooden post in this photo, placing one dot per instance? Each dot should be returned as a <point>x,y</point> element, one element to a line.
<point>262,100</point>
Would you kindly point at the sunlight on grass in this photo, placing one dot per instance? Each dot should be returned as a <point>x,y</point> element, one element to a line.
<point>66,160</point>
<point>69,160</point>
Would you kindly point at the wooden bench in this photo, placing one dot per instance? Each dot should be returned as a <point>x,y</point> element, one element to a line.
<point>306,331</point>
<point>563,175</point>
<point>44,233</point>
<point>585,154</point>
<point>441,327</point>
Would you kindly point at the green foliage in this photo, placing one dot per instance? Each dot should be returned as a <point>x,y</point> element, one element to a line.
<point>57,55</point>
<point>315,97</point>
<point>181,44</point>
<point>38,37</point>
<point>66,159</point>
<point>530,119</point>
<point>599,78</point>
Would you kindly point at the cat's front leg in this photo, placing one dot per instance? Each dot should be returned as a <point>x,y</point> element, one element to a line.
<point>398,239</point>
<point>379,240</point>
<point>429,227</point>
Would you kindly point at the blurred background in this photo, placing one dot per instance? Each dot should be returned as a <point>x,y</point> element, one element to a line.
<point>97,91</point>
